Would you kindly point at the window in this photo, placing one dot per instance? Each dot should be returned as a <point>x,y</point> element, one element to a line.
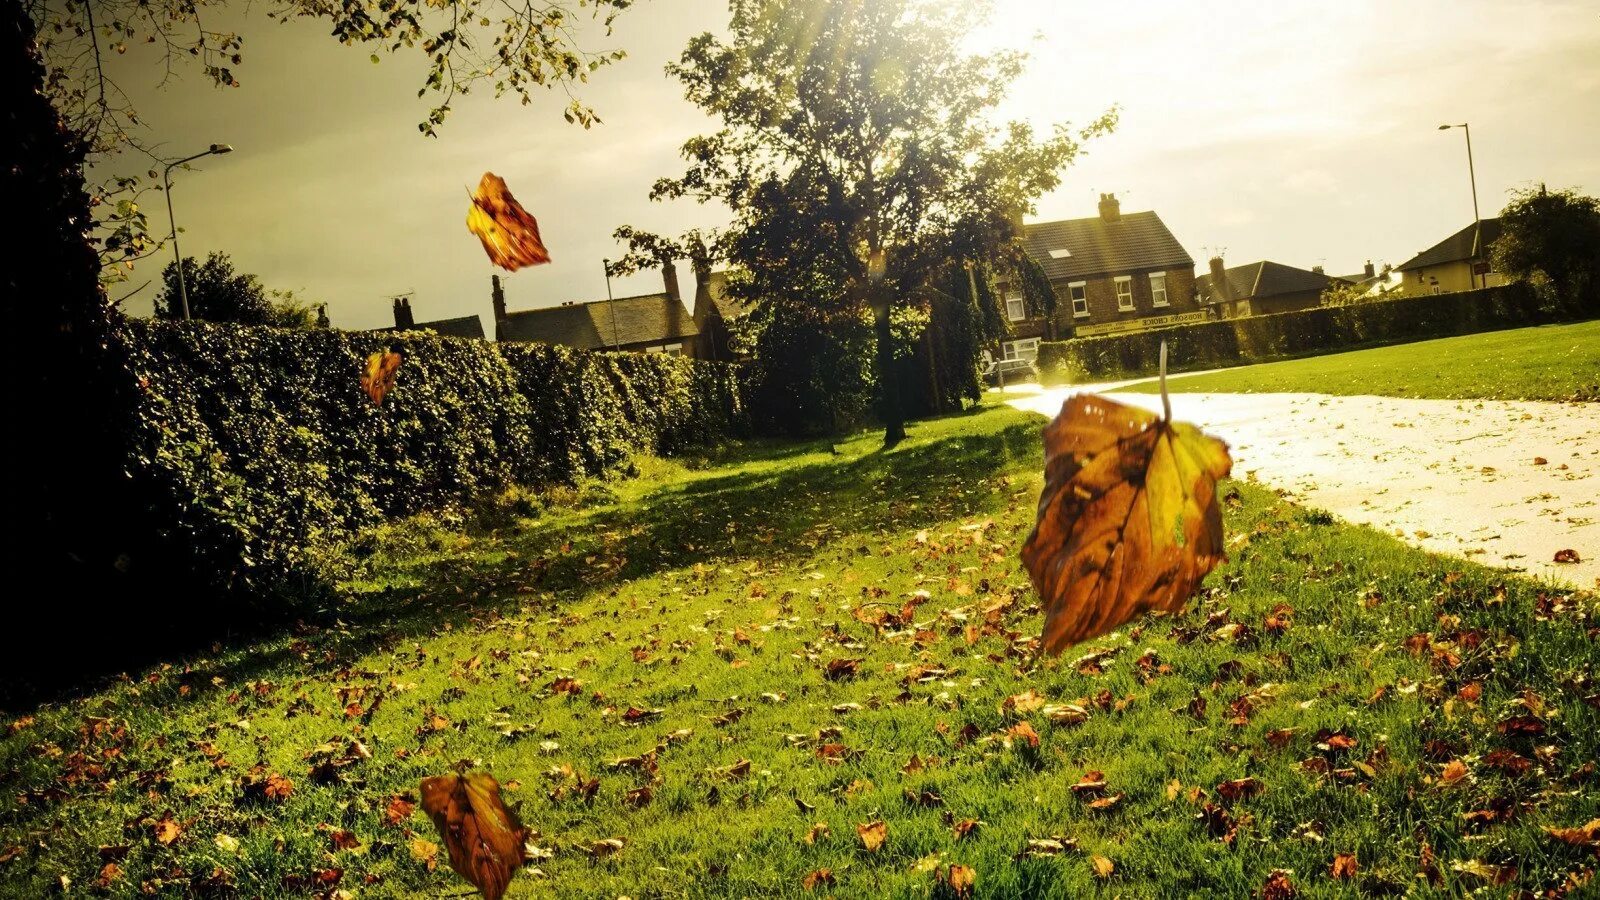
<point>669,349</point>
<point>1125,292</point>
<point>1078,291</point>
<point>1060,253</point>
<point>1027,348</point>
<point>1016,310</point>
<point>1158,289</point>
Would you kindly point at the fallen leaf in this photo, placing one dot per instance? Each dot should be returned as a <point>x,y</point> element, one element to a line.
<point>1585,835</point>
<point>959,879</point>
<point>819,876</point>
<point>1568,555</point>
<point>1344,866</point>
<point>1240,789</point>
<point>166,829</point>
<point>873,834</point>
<point>1128,520</point>
<point>1103,867</point>
<point>1278,887</point>
<point>484,839</point>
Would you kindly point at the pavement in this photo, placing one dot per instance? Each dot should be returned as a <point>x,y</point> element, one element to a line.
<point>1505,484</point>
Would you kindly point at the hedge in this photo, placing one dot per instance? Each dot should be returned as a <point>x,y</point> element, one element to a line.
<point>1231,342</point>
<point>253,450</point>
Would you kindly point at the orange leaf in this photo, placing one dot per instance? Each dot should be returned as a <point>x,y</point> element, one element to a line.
<point>484,839</point>
<point>509,234</point>
<point>1103,867</point>
<point>959,879</point>
<point>873,834</point>
<point>1344,866</point>
<point>379,377</point>
<point>1128,520</point>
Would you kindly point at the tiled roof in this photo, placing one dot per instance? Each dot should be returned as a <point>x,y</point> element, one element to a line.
<point>1266,279</point>
<point>1135,241</point>
<point>1458,246</point>
<point>461,327</point>
<point>646,319</point>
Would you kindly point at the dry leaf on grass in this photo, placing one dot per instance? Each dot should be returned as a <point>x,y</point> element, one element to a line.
<point>484,838</point>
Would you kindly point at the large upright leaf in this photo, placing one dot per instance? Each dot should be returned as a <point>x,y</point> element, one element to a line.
<point>484,839</point>
<point>1128,519</point>
<point>510,235</point>
<point>380,374</point>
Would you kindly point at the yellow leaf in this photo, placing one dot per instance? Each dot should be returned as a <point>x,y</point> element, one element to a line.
<point>1102,867</point>
<point>509,234</point>
<point>484,839</point>
<point>873,834</point>
<point>379,377</point>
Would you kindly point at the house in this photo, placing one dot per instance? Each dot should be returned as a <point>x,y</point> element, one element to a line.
<point>461,326</point>
<point>1374,282</point>
<point>1460,262</point>
<point>1113,272</point>
<point>646,323</point>
<point>1264,287</point>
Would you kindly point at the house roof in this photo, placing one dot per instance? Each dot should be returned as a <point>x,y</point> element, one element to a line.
<point>1464,244</point>
<point>1266,279</point>
<point>461,327</point>
<point>1134,241</point>
<point>646,319</point>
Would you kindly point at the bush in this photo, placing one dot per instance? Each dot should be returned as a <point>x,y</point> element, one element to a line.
<point>1231,342</point>
<point>255,450</point>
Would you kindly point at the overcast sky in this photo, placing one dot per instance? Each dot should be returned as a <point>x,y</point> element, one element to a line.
<point>1302,132</point>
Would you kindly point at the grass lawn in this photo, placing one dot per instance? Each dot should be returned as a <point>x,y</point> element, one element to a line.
<point>1425,715</point>
<point>1548,362</point>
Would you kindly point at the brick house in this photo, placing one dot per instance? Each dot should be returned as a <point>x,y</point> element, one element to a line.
<point>1111,273</point>
<point>1264,287</point>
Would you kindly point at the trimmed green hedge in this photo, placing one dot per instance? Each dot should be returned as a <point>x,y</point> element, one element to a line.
<point>255,449</point>
<point>1232,342</point>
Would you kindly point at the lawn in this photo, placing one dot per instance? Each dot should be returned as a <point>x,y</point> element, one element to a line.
<point>1548,362</point>
<point>731,664</point>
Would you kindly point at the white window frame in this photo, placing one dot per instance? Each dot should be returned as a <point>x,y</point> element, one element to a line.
<point>1124,285</point>
<point>1022,348</point>
<point>1158,297</point>
<point>1080,305</point>
<point>1021,308</point>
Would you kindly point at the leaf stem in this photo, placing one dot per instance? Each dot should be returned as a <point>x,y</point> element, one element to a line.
<point>1166,404</point>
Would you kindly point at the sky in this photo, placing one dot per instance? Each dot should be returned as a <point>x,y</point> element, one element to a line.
<point>1301,132</point>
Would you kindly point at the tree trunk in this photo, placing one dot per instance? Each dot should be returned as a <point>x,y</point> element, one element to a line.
<point>894,426</point>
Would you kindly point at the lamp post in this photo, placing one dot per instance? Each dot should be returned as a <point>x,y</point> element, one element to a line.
<point>166,182</point>
<point>1472,175</point>
<point>616,342</point>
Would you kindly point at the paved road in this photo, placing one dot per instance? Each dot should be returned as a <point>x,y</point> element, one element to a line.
<point>1462,477</point>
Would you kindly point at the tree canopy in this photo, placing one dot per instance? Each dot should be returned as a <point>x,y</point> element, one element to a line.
<point>1552,239</point>
<point>858,154</point>
<point>219,293</point>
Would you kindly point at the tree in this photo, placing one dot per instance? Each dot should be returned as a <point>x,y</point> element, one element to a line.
<point>1552,239</point>
<point>857,155</point>
<point>216,293</point>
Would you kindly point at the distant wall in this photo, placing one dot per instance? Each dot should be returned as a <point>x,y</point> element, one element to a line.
<point>1232,342</point>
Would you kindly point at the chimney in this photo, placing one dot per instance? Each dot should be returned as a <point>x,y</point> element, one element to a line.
<point>1220,288</point>
<point>402,314</point>
<point>1110,207</point>
<point>1318,270</point>
<point>1369,270</point>
<point>669,277</point>
<point>498,295</point>
<point>322,317</point>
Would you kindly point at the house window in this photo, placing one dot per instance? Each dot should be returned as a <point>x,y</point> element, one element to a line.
<point>1079,292</point>
<point>1016,310</point>
<point>1125,292</point>
<point>1158,289</point>
<point>1027,348</point>
<point>1060,253</point>
<point>669,349</point>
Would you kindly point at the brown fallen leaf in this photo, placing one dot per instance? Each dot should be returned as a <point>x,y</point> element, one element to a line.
<point>1102,866</point>
<point>959,879</point>
<point>819,876</point>
<point>1344,866</point>
<point>1585,835</point>
<point>873,834</point>
<point>1278,887</point>
<point>1128,519</point>
<point>1568,555</point>
<point>166,829</point>
<point>484,839</point>
<point>1454,772</point>
<point>1240,789</point>
<point>399,809</point>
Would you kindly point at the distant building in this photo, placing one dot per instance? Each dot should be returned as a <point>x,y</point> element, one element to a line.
<point>1111,273</point>
<point>646,323</point>
<point>461,327</point>
<point>1460,262</point>
<point>1375,282</point>
<point>1260,288</point>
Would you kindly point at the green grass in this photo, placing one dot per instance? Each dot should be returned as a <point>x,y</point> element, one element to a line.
<point>717,592</point>
<point>1548,362</point>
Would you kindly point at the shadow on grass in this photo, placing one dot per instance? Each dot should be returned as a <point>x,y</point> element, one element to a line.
<point>766,500</point>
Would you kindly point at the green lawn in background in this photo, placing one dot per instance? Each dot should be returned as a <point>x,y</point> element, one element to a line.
<point>1547,362</point>
<point>1426,715</point>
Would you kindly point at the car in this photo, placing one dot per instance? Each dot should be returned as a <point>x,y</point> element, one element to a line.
<point>1014,370</point>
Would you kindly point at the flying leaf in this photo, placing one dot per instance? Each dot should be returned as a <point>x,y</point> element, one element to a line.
<point>1128,519</point>
<point>509,234</point>
<point>379,377</point>
<point>484,839</point>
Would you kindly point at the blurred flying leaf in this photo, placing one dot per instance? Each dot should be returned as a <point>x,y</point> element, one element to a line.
<point>509,234</point>
<point>379,377</point>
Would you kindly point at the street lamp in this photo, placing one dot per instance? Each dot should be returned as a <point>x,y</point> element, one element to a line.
<point>611,306</point>
<point>1477,220</point>
<point>166,181</point>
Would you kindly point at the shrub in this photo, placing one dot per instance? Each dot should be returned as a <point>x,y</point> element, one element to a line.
<point>1231,342</point>
<point>254,449</point>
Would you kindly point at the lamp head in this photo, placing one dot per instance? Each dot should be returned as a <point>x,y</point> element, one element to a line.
<point>220,149</point>
<point>1445,127</point>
